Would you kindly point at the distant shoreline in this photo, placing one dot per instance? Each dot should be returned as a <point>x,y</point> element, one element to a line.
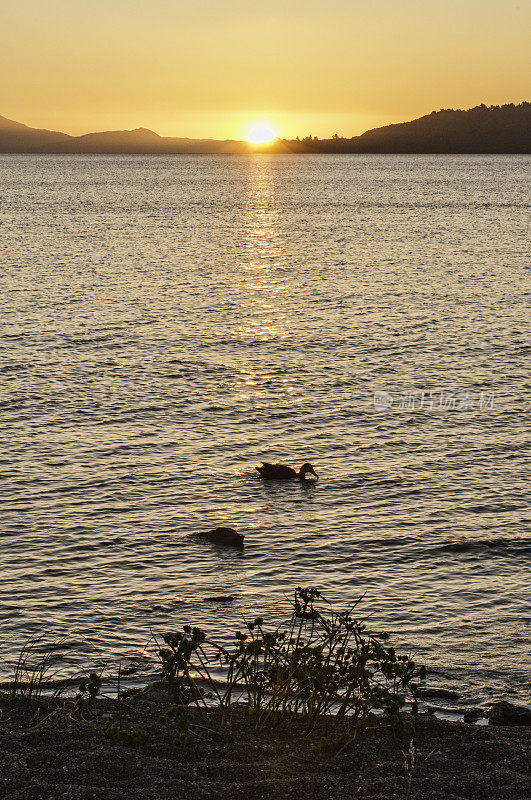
<point>257,153</point>
<point>493,130</point>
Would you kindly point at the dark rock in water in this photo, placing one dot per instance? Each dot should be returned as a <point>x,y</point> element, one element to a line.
<point>503,713</point>
<point>450,711</point>
<point>443,694</point>
<point>472,715</point>
<point>220,598</point>
<point>226,536</point>
<point>383,636</point>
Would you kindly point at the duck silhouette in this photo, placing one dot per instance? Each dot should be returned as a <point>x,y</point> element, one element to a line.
<point>279,472</point>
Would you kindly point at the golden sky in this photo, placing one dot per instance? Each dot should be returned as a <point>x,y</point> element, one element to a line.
<point>208,68</point>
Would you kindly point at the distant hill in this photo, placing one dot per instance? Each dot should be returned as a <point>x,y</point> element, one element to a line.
<point>18,138</point>
<point>113,141</point>
<point>492,129</point>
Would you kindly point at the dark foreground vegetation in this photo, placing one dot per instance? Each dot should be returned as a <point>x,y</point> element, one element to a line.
<point>317,662</point>
<point>144,748</point>
<point>310,708</point>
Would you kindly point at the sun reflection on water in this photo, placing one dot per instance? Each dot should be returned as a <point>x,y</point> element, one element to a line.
<point>263,286</point>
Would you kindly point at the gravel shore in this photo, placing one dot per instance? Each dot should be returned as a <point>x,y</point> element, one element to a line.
<point>138,749</point>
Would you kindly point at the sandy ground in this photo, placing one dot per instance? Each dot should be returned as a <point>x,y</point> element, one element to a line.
<point>49,750</point>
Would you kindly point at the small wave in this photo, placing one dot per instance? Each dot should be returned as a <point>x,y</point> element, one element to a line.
<point>12,405</point>
<point>385,482</point>
<point>85,340</point>
<point>12,368</point>
<point>436,693</point>
<point>496,508</point>
<point>517,545</point>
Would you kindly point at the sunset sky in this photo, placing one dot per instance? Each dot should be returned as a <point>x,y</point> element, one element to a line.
<point>209,68</point>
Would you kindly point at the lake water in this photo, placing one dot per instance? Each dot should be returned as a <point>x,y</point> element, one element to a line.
<point>169,322</point>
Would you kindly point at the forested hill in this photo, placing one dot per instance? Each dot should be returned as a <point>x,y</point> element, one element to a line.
<point>483,129</point>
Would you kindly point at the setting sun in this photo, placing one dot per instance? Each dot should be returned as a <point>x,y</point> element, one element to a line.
<point>261,133</point>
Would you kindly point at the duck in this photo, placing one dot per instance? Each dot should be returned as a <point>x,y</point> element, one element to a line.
<point>279,472</point>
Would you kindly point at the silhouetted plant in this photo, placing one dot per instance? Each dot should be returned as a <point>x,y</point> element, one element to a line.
<point>184,654</point>
<point>35,670</point>
<point>40,666</point>
<point>89,689</point>
<point>320,662</point>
